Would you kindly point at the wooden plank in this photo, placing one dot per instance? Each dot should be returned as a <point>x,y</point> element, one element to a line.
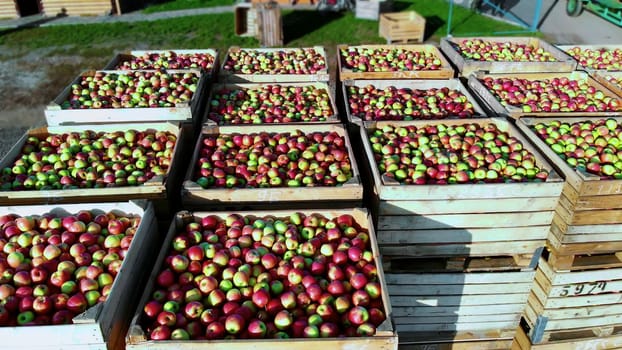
<point>469,235</point>
<point>454,318</point>
<point>227,76</point>
<point>430,222</point>
<point>465,66</point>
<point>194,195</point>
<point>425,302</point>
<point>515,112</point>
<point>481,326</point>
<point>466,206</point>
<point>463,249</point>
<point>458,289</point>
<point>445,71</point>
<point>581,312</point>
<point>603,78</point>
<point>388,189</point>
<point>460,278</point>
<point>583,301</point>
<point>498,344</point>
<point>468,310</point>
<point>555,324</point>
<point>590,343</point>
<point>8,9</point>
<point>385,337</point>
<point>454,84</point>
<point>76,7</point>
<point>409,264</point>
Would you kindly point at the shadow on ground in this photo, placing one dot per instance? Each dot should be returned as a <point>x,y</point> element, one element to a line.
<point>297,24</point>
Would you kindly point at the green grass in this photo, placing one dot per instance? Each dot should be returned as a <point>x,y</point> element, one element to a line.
<point>186,4</point>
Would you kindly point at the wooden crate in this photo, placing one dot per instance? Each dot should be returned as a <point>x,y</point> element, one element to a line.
<point>269,24</point>
<point>8,9</point>
<point>454,84</point>
<point>402,27</point>
<point>449,46</point>
<point>522,342</point>
<point>371,9</point>
<point>245,19</point>
<point>458,306</point>
<point>385,338</point>
<point>566,48</point>
<point>573,304</point>
<point>516,112</point>
<point>445,71</point>
<point>475,344</point>
<point>118,59</point>
<point>77,8</point>
<point>216,88</point>
<point>102,326</point>
<point>492,219</point>
<point>227,76</point>
<point>587,218</point>
<point>163,190</point>
<point>347,195</point>
<point>603,78</point>
<point>183,112</point>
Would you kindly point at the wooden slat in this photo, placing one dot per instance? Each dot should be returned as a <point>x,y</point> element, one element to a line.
<point>7,9</point>
<point>481,344</point>
<point>441,221</point>
<point>465,206</point>
<point>460,278</point>
<point>461,249</point>
<point>555,324</point>
<point>455,318</point>
<point>423,302</point>
<point>76,7</point>
<point>469,289</point>
<point>583,312</point>
<point>469,235</point>
<point>456,327</point>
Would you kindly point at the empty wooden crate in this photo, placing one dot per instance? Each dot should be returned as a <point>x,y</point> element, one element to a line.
<point>402,27</point>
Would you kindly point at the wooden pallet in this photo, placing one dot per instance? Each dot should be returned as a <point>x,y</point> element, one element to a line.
<point>515,112</point>
<point>572,302</point>
<point>454,84</point>
<point>347,195</point>
<point>458,302</point>
<point>402,27</point>
<point>182,112</point>
<point>494,219</point>
<point>104,325</point>
<point>449,46</point>
<point>591,342</point>
<point>226,76</point>
<point>588,217</point>
<point>162,190</point>
<point>445,72</point>
<point>384,339</point>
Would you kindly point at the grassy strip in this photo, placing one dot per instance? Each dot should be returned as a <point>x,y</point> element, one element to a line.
<point>185,5</point>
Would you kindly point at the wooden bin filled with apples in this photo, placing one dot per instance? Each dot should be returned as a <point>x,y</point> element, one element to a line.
<point>201,60</point>
<point>67,301</point>
<point>279,167</point>
<point>490,200</point>
<point>371,62</point>
<point>254,103</point>
<point>90,98</point>
<point>573,305</point>
<point>274,65</point>
<point>506,55</point>
<point>278,296</point>
<point>412,100</point>
<point>610,80</point>
<point>572,94</point>
<point>147,170</point>
<point>595,57</point>
<point>586,226</point>
<point>463,209</point>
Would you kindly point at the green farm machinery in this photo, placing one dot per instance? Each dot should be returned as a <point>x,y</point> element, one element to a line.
<point>611,10</point>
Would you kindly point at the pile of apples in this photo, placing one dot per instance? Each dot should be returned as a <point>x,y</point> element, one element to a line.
<point>237,277</point>
<point>133,89</point>
<point>361,59</point>
<point>53,268</point>
<point>589,146</point>
<point>371,103</point>
<point>89,159</point>
<point>270,104</point>
<point>601,59</point>
<point>502,51</point>
<point>551,95</point>
<point>283,61</point>
<point>168,60</point>
<point>255,160</point>
<point>452,154</point>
